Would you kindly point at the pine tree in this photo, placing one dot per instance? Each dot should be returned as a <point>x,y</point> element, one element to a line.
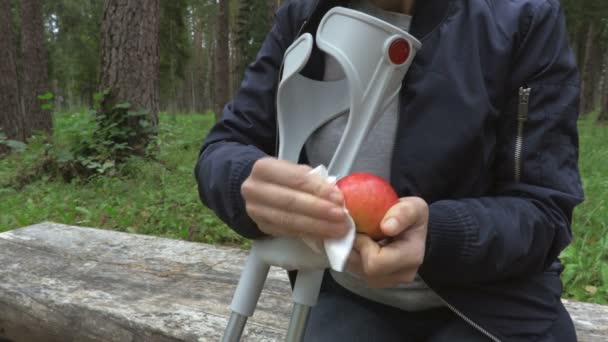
<point>10,115</point>
<point>34,75</point>
<point>222,57</point>
<point>130,63</point>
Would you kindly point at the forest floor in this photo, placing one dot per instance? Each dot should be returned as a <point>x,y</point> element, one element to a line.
<point>159,197</point>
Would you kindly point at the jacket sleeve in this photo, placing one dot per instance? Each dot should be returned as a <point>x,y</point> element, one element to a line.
<point>521,227</point>
<point>245,133</point>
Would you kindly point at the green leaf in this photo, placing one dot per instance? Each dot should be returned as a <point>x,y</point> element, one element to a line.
<point>64,156</point>
<point>124,105</point>
<point>46,96</point>
<point>47,106</point>
<point>83,211</point>
<point>16,145</point>
<point>107,165</point>
<point>93,165</point>
<point>99,96</point>
<point>137,113</point>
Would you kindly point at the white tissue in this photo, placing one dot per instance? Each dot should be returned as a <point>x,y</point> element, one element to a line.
<point>337,250</point>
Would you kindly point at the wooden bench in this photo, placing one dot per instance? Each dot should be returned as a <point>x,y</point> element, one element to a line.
<point>65,283</point>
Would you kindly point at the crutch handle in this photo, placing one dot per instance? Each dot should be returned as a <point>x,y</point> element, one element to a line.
<point>289,254</point>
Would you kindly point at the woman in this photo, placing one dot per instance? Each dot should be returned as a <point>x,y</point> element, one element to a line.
<point>481,147</point>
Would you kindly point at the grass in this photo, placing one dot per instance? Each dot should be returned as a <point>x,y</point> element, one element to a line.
<point>148,197</point>
<point>160,198</point>
<point>586,260</point>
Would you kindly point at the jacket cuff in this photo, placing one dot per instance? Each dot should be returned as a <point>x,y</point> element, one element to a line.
<point>450,237</point>
<point>241,169</point>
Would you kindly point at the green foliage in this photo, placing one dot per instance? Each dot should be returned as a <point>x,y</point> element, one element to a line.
<point>13,145</point>
<point>102,140</point>
<point>148,196</point>
<point>47,101</point>
<point>586,260</point>
<point>46,96</point>
<point>91,143</point>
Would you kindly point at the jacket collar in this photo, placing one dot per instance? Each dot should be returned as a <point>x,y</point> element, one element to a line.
<point>428,14</point>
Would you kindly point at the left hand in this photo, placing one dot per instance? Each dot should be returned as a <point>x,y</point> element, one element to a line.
<point>384,265</point>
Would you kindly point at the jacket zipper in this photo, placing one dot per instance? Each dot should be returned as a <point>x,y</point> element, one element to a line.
<point>276,135</point>
<point>522,117</point>
<point>463,316</point>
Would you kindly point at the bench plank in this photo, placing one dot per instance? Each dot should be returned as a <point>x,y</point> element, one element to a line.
<point>63,283</point>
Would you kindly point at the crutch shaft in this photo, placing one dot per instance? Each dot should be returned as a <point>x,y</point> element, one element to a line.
<point>297,325</point>
<point>246,295</point>
<point>235,327</point>
<point>250,285</point>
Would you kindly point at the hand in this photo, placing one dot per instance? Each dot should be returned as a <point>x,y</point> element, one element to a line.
<point>384,265</point>
<point>285,200</point>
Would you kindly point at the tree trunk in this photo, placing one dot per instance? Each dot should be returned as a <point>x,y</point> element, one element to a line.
<point>603,117</point>
<point>222,64</point>
<point>197,65</point>
<point>130,61</point>
<point>35,69</point>
<point>233,48</point>
<point>580,42</point>
<point>10,117</point>
<point>591,69</point>
<point>211,72</point>
<point>209,78</point>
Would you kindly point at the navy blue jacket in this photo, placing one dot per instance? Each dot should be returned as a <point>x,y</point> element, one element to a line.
<point>493,239</point>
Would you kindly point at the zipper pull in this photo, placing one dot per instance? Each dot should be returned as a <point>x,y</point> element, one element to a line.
<point>524,102</point>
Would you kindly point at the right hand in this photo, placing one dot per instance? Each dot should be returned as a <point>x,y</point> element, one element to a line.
<point>285,200</point>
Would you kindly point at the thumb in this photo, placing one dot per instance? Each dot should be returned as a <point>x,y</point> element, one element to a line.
<point>408,212</point>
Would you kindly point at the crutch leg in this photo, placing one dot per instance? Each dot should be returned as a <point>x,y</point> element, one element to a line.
<point>297,325</point>
<point>305,296</point>
<point>246,296</point>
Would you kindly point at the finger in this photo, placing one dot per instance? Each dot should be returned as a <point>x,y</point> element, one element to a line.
<point>379,260</point>
<point>295,176</point>
<point>408,212</point>
<point>402,276</point>
<point>369,251</point>
<point>277,222</point>
<point>289,200</point>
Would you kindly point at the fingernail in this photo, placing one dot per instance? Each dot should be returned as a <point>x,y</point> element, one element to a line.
<point>391,225</point>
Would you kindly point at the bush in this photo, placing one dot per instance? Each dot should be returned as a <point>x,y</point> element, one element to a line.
<point>90,144</point>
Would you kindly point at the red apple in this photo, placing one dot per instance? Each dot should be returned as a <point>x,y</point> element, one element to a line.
<point>367,198</point>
